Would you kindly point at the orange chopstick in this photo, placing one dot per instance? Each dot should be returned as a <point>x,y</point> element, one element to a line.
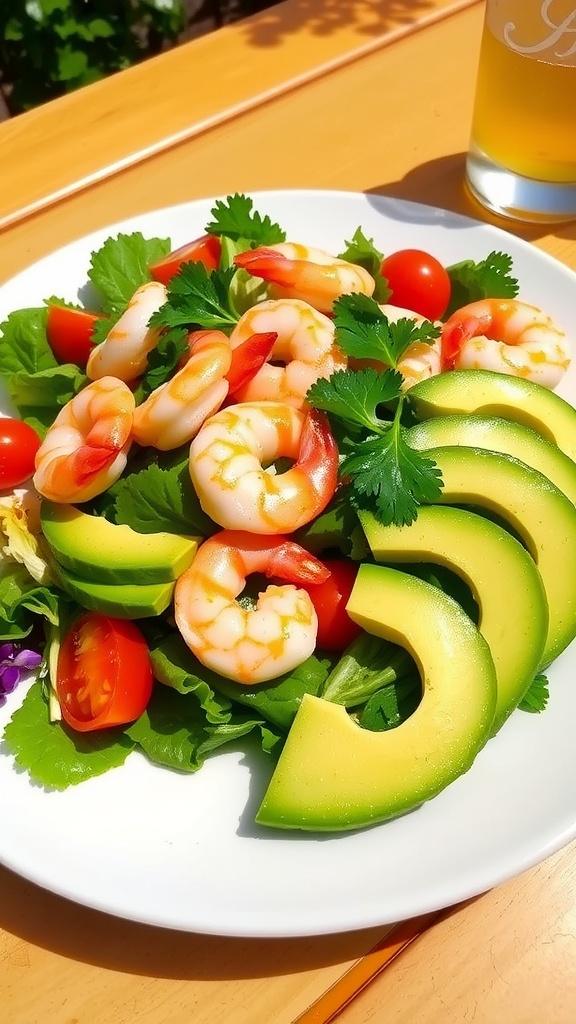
<point>339,995</point>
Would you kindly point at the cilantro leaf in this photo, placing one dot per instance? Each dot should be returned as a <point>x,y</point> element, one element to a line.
<point>57,757</point>
<point>391,477</point>
<point>197,298</point>
<point>489,278</point>
<point>163,360</point>
<point>353,396</point>
<point>363,331</point>
<point>537,695</point>
<point>121,265</point>
<point>236,218</point>
<point>362,251</point>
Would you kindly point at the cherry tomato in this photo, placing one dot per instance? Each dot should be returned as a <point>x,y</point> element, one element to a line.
<point>104,675</point>
<point>335,627</point>
<point>418,282</point>
<point>204,250</point>
<point>69,333</point>
<point>18,446</point>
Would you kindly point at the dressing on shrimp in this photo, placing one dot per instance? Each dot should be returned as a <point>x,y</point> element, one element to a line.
<point>249,645</point>
<point>227,467</point>
<point>303,352</point>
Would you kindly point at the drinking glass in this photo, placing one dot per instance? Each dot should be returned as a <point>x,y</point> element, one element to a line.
<point>522,157</point>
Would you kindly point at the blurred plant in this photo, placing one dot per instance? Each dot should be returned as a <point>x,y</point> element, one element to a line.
<point>50,47</point>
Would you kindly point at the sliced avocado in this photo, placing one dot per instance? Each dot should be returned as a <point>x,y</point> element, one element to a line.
<point>543,517</point>
<point>333,775</point>
<point>498,435</point>
<point>498,394</point>
<point>501,575</point>
<point>122,600</point>
<point>90,546</point>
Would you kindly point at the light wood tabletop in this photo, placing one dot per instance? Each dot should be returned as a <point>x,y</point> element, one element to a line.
<point>362,95</point>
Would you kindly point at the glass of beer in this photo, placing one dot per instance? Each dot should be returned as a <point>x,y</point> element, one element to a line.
<point>522,157</point>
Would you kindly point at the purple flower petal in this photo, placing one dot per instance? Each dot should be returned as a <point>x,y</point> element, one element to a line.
<point>9,678</point>
<point>28,659</point>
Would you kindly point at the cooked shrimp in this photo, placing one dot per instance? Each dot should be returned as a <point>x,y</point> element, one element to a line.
<point>299,272</point>
<point>421,359</point>
<point>249,645</point>
<point>304,345</point>
<point>86,448</point>
<point>124,351</point>
<point>234,489</point>
<point>508,336</point>
<point>175,411</point>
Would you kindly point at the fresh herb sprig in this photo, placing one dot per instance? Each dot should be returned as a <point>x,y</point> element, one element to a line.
<point>236,218</point>
<point>197,298</point>
<point>362,251</point>
<point>488,278</point>
<point>386,475</point>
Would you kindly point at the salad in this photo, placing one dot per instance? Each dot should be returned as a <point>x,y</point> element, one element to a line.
<point>128,661</point>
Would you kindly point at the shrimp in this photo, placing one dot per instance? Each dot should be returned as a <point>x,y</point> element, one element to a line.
<point>299,272</point>
<point>304,344</point>
<point>86,448</point>
<point>508,336</point>
<point>421,359</point>
<point>249,645</point>
<point>175,411</point>
<point>124,351</point>
<point>232,485</point>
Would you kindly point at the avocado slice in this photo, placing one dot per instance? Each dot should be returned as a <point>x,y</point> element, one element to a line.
<point>498,394</point>
<point>498,435</point>
<point>122,600</point>
<point>537,511</point>
<point>91,547</point>
<point>501,575</point>
<point>333,775</point>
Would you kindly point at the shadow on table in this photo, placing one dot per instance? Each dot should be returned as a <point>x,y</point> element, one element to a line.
<point>88,936</point>
<point>441,183</point>
<point>322,17</point>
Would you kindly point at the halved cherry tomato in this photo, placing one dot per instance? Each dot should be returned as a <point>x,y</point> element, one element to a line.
<point>418,282</point>
<point>18,446</point>
<point>335,627</point>
<point>69,333</point>
<point>204,250</point>
<point>104,675</point>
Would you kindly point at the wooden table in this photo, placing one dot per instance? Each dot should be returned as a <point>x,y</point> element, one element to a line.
<point>365,95</point>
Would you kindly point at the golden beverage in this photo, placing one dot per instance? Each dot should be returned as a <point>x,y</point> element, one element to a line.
<point>522,157</point>
<point>525,112</point>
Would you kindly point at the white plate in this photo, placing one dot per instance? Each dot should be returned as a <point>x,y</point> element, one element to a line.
<point>183,851</point>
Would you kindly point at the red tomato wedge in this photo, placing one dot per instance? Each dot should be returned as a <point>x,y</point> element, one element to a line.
<point>335,627</point>
<point>204,250</point>
<point>418,282</point>
<point>69,333</point>
<point>104,676</point>
<point>18,446</point>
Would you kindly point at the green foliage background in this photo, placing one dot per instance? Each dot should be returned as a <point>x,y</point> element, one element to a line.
<point>49,47</point>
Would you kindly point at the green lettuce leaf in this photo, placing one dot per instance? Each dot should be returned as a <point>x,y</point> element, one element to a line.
<point>174,733</point>
<point>160,496</point>
<point>40,396</point>
<point>22,600</point>
<point>23,343</point>
<point>121,265</point>
<point>54,756</point>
